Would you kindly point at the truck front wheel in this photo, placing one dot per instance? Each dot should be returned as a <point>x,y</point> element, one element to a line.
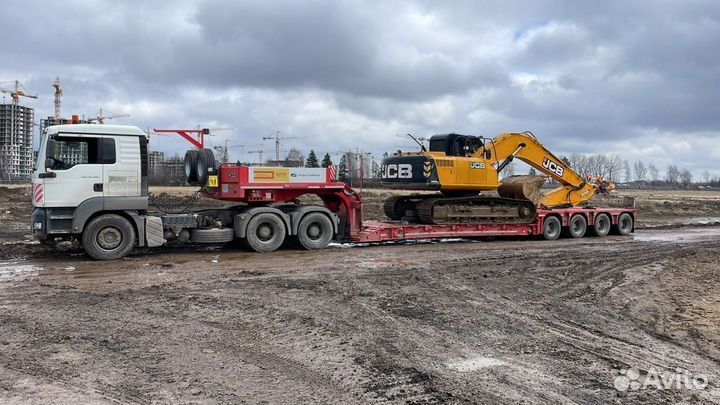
<point>108,237</point>
<point>265,232</point>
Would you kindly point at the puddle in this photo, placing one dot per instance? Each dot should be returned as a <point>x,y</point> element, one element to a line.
<point>678,235</point>
<point>16,270</point>
<point>475,363</point>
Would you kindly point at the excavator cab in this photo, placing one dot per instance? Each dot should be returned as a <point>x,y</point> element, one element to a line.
<point>456,144</point>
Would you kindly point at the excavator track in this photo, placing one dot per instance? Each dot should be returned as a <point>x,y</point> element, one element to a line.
<point>480,210</point>
<point>403,207</point>
<point>437,209</point>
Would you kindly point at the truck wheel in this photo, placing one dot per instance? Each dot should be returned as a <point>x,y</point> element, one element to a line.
<point>602,224</point>
<point>577,226</point>
<point>108,237</point>
<point>265,232</point>
<point>624,225</point>
<point>315,231</point>
<point>191,158</point>
<point>212,235</point>
<point>551,228</point>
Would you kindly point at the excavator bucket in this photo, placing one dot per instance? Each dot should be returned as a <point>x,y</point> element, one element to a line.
<point>522,187</point>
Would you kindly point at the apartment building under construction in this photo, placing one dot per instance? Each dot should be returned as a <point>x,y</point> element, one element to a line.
<point>16,142</point>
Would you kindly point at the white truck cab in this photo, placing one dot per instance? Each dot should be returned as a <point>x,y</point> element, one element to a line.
<point>84,170</point>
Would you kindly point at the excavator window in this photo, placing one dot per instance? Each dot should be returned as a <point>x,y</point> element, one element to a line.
<point>455,144</point>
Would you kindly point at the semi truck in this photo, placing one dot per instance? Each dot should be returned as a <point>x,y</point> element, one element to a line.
<point>90,186</point>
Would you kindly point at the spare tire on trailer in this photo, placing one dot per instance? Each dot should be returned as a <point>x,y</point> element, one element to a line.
<point>212,235</point>
<point>205,165</point>
<point>191,158</point>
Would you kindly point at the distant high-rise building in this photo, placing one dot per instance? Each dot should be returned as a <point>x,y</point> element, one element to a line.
<point>166,171</point>
<point>16,142</point>
<point>72,153</point>
<point>155,161</point>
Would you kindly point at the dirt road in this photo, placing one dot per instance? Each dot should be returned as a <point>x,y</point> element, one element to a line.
<point>480,322</point>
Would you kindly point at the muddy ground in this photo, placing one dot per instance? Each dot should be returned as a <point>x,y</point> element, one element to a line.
<point>499,321</point>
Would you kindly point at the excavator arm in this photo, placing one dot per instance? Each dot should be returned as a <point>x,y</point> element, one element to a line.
<point>573,191</point>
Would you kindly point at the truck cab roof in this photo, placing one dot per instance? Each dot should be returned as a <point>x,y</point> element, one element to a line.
<point>96,129</point>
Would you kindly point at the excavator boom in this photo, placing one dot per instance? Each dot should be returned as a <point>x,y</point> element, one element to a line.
<point>573,191</point>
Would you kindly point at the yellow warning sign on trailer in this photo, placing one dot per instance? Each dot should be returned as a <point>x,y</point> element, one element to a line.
<point>270,175</point>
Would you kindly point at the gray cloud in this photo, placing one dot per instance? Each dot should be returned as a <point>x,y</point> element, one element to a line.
<point>584,76</point>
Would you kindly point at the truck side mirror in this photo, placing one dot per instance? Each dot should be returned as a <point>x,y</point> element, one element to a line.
<point>488,154</point>
<point>49,150</point>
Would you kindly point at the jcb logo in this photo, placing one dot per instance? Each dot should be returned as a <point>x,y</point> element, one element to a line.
<point>397,171</point>
<point>477,165</point>
<point>553,167</point>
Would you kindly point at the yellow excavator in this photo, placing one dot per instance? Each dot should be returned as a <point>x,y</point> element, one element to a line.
<point>461,166</point>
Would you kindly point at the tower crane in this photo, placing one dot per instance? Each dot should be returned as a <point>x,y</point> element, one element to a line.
<point>16,92</point>
<point>58,96</point>
<point>259,153</point>
<point>277,139</point>
<point>100,118</point>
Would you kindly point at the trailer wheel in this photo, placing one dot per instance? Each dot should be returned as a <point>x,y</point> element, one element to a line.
<point>577,226</point>
<point>191,158</point>
<point>551,228</point>
<point>315,231</point>
<point>624,225</point>
<point>265,232</point>
<point>602,225</point>
<point>108,237</point>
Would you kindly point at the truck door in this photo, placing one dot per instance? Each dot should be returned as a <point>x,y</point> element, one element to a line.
<point>121,158</point>
<point>78,170</point>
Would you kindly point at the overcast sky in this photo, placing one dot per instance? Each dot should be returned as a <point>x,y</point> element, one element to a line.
<point>640,78</point>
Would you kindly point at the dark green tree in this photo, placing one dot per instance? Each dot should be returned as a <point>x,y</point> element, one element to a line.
<point>532,171</point>
<point>311,160</point>
<point>343,170</point>
<point>326,162</point>
<point>566,161</point>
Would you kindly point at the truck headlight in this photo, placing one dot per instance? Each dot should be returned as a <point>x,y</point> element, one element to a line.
<point>37,225</point>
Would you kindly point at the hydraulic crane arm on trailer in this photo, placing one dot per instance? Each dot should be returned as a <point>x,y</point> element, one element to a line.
<point>101,200</point>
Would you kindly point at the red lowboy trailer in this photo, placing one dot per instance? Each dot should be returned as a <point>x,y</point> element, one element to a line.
<point>262,186</point>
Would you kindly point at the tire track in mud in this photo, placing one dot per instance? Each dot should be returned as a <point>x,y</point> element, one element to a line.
<point>374,325</point>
